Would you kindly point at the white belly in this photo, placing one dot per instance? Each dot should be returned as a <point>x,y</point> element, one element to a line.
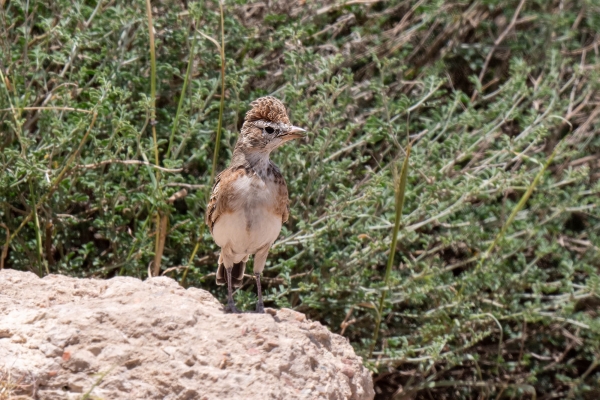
<point>252,224</point>
<point>246,231</point>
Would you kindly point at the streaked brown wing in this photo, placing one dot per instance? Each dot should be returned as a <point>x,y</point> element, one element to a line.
<point>286,214</point>
<point>222,194</point>
<point>212,215</point>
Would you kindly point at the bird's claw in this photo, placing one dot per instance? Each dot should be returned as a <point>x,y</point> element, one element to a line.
<point>231,309</point>
<point>260,309</point>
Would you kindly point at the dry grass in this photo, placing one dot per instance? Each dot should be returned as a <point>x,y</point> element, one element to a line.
<point>11,387</point>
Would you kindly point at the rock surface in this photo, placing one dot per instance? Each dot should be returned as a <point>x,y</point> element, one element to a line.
<point>122,338</point>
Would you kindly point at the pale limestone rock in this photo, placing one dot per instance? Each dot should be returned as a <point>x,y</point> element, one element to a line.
<point>122,338</point>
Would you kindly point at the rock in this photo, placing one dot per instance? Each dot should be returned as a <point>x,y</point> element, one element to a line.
<point>62,337</point>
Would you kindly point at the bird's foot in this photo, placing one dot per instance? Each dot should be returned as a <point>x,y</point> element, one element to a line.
<point>231,309</point>
<point>260,308</point>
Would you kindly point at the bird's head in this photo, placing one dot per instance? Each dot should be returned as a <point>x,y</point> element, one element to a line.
<point>267,126</point>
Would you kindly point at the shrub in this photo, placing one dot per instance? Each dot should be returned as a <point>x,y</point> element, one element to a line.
<point>492,292</point>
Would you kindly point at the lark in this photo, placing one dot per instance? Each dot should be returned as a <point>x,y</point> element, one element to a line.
<point>249,200</point>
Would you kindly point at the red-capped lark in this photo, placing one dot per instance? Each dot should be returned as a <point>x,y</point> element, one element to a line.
<point>249,200</point>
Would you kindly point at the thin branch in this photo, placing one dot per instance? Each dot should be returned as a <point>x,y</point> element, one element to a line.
<point>182,96</point>
<point>497,43</point>
<point>48,108</point>
<point>520,205</point>
<point>219,129</point>
<point>222,103</point>
<point>185,185</point>
<point>126,162</point>
<point>177,195</point>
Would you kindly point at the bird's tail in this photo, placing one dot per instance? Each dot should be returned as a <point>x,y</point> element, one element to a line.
<point>237,274</point>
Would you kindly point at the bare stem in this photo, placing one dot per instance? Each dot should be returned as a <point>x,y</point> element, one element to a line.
<point>519,205</point>
<point>221,106</point>
<point>161,218</point>
<point>218,139</point>
<point>399,201</point>
<point>182,97</point>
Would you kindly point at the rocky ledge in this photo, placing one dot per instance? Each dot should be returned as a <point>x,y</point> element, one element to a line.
<point>67,338</point>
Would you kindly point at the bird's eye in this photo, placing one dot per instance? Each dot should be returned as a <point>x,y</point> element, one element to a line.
<point>269,129</point>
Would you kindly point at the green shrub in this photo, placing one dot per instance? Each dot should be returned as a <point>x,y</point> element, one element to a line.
<point>484,298</point>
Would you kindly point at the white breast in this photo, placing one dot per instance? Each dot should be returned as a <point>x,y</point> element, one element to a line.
<point>252,224</point>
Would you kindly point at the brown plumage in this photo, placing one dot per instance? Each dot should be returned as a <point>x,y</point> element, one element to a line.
<point>269,109</point>
<point>249,200</point>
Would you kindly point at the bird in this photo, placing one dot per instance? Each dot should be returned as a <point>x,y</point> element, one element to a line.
<point>249,200</point>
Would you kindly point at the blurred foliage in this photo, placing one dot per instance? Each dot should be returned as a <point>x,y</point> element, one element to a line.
<point>485,89</point>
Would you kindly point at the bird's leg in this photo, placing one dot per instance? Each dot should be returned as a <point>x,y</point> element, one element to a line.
<point>260,258</point>
<point>230,304</point>
<point>260,307</point>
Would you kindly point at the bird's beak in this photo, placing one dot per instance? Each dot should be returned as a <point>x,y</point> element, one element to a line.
<point>294,133</point>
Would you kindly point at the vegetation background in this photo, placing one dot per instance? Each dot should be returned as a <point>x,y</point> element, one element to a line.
<point>493,290</point>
